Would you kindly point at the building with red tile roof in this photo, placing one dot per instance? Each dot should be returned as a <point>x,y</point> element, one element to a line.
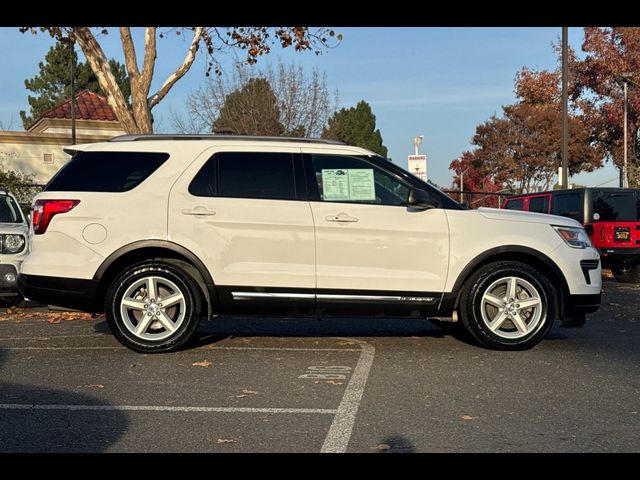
<point>39,149</point>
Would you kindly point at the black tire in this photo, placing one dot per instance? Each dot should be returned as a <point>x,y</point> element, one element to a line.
<point>490,279</point>
<point>623,275</point>
<point>182,315</point>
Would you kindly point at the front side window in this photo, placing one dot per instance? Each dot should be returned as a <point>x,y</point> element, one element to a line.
<point>105,171</point>
<point>514,204</point>
<point>353,179</point>
<point>264,175</point>
<point>9,210</point>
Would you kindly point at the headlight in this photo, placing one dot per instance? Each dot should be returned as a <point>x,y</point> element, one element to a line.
<point>575,237</point>
<point>11,243</point>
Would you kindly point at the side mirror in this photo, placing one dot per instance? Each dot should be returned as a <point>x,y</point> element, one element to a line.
<point>420,199</point>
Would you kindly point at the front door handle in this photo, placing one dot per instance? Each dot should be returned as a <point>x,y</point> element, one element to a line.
<point>198,211</point>
<point>341,217</point>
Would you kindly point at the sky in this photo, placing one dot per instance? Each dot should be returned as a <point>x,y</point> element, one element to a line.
<point>440,82</point>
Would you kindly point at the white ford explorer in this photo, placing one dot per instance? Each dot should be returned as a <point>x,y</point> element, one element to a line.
<point>160,231</point>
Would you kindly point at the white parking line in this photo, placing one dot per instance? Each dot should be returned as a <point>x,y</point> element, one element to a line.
<point>337,439</point>
<point>199,350</point>
<point>339,434</point>
<point>159,408</point>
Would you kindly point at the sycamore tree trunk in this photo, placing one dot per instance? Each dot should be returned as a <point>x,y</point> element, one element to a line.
<point>135,118</point>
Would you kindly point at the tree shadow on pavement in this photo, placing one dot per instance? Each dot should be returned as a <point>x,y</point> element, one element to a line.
<point>27,429</point>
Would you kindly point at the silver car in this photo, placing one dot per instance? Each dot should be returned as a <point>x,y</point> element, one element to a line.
<point>13,246</point>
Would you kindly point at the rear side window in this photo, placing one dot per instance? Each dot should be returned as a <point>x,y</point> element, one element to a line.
<point>265,175</point>
<point>105,171</point>
<point>568,205</point>
<point>514,204</point>
<point>539,204</point>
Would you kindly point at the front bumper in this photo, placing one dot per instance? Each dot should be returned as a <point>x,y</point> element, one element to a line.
<point>74,293</point>
<point>575,305</point>
<point>8,280</point>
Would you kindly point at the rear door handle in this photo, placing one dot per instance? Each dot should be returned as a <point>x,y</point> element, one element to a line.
<point>198,211</point>
<point>341,217</point>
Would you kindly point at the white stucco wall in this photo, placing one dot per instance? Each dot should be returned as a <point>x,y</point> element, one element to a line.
<point>29,158</point>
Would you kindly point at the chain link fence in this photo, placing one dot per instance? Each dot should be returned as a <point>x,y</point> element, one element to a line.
<point>475,199</point>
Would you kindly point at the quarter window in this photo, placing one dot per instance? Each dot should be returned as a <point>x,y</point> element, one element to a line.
<point>105,171</point>
<point>568,205</point>
<point>539,204</point>
<point>354,179</point>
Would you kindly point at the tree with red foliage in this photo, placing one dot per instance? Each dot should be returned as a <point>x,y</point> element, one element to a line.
<point>598,88</point>
<point>521,149</point>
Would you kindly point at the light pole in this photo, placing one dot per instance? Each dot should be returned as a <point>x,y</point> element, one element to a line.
<point>626,77</point>
<point>565,109</point>
<point>416,143</point>
<point>462,184</point>
<point>71,42</point>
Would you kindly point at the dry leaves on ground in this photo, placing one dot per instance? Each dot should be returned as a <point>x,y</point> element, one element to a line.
<point>94,385</point>
<point>468,417</point>
<point>51,317</point>
<point>245,392</point>
<point>382,447</point>
<point>225,440</point>
<point>205,363</point>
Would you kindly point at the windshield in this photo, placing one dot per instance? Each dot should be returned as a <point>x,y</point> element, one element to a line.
<point>616,207</point>
<point>9,210</point>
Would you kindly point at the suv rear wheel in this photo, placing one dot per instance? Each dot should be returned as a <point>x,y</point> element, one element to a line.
<point>507,306</point>
<point>153,307</point>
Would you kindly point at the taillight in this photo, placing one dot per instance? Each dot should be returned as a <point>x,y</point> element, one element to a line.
<point>44,211</point>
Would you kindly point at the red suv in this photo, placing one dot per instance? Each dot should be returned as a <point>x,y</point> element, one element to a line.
<point>611,217</point>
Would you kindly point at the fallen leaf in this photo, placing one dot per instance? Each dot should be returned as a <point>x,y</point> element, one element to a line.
<point>53,320</point>
<point>225,440</point>
<point>205,363</point>
<point>95,385</point>
<point>246,393</point>
<point>382,446</point>
<point>346,343</point>
<point>468,417</point>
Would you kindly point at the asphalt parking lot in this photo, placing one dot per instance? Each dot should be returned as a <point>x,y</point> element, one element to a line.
<point>321,385</point>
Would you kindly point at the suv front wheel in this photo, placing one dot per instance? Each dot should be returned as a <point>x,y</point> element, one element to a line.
<point>507,306</point>
<point>153,307</point>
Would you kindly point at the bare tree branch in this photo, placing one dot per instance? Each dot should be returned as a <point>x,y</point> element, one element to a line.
<point>180,71</point>
<point>129,50</point>
<point>100,66</point>
<point>149,59</point>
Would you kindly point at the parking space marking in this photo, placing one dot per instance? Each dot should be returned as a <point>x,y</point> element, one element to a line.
<point>339,434</point>
<point>47,337</point>
<point>116,347</point>
<point>160,408</point>
<point>62,348</point>
<point>337,439</point>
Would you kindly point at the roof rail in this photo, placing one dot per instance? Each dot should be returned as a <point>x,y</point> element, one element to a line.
<point>213,136</point>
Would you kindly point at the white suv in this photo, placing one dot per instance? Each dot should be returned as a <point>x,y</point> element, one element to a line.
<point>159,231</point>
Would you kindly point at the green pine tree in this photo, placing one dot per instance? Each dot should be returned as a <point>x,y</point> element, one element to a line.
<point>52,85</point>
<point>251,110</point>
<point>356,126</point>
